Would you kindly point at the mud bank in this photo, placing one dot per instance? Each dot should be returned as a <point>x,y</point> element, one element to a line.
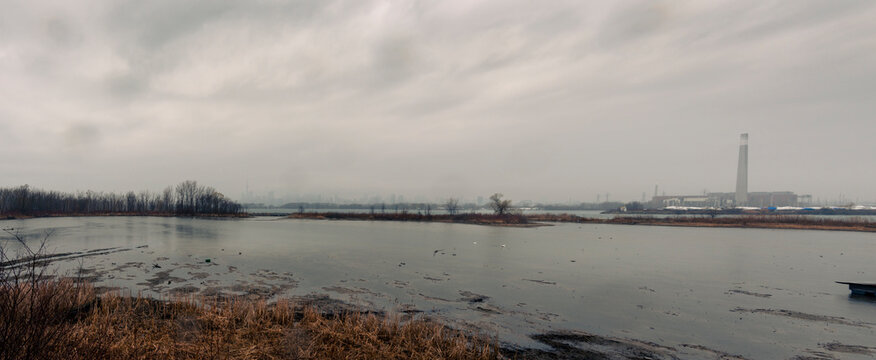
<point>473,219</point>
<point>190,281</point>
<point>536,220</point>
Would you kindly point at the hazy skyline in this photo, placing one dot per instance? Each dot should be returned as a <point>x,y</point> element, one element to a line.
<point>545,101</point>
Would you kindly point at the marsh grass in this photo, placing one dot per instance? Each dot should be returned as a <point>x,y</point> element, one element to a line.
<point>75,323</point>
<point>756,221</point>
<point>468,218</point>
<point>769,221</point>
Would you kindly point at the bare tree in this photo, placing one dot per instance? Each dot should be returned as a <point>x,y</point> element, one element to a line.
<point>143,201</point>
<point>186,193</point>
<point>499,206</point>
<point>452,206</point>
<point>167,199</point>
<point>130,202</point>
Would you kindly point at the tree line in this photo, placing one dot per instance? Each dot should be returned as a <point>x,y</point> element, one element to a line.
<point>186,198</point>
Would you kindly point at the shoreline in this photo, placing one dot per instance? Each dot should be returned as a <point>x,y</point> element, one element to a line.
<point>776,226</point>
<point>744,212</point>
<point>316,314</point>
<point>122,214</point>
<point>750,221</point>
<point>521,221</point>
<point>178,326</point>
<point>744,221</point>
<point>781,222</point>
<point>784,222</point>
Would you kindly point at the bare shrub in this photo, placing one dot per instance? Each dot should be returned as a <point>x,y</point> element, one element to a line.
<point>35,308</point>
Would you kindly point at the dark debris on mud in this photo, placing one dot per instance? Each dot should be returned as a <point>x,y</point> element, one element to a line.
<point>470,297</point>
<point>849,349</point>
<point>583,345</point>
<point>749,293</point>
<point>838,320</point>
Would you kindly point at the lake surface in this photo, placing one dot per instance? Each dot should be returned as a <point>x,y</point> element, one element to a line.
<point>758,293</point>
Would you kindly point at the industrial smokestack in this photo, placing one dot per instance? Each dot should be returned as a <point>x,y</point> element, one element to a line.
<point>742,171</point>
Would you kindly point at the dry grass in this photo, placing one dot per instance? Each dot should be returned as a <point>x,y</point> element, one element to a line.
<point>745,221</point>
<point>478,219</point>
<point>531,220</point>
<point>34,317</point>
<point>754,221</point>
<point>75,323</point>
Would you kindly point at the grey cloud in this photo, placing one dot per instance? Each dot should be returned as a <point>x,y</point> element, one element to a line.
<point>81,136</point>
<point>144,32</point>
<point>396,59</point>
<point>152,24</point>
<point>61,33</point>
<point>633,21</point>
<point>126,85</point>
<point>773,18</point>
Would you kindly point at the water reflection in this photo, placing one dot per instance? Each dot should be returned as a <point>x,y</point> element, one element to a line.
<point>189,230</point>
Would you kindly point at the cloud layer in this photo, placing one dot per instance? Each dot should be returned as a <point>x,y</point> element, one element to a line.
<point>544,101</point>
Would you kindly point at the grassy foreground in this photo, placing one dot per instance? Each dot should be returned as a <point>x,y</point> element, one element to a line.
<point>60,319</point>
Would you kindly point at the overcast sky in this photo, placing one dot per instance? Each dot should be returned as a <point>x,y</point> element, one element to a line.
<point>540,100</point>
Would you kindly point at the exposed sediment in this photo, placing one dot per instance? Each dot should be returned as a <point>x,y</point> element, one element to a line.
<point>805,316</point>
<point>510,220</point>
<point>535,220</point>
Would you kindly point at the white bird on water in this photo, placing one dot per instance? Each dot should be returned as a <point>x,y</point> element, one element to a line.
<point>474,242</point>
<point>503,245</point>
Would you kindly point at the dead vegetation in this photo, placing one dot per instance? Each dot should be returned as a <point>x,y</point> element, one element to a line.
<point>471,218</point>
<point>532,220</point>
<point>745,221</point>
<point>754,221</point>
<point>74,323</point>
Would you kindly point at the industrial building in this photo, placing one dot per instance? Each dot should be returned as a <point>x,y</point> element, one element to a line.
<point>725,200</point>
<point>740,198</point>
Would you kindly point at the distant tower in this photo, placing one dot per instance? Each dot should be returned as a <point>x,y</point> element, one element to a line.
<point>742,171</point>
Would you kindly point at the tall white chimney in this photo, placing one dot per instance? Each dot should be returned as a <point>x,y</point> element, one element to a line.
<point>742,171</point>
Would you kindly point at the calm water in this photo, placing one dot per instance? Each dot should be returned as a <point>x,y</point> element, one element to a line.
<point>667,285</point>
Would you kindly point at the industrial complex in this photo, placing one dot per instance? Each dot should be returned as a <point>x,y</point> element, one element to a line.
<point>740,198</point>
